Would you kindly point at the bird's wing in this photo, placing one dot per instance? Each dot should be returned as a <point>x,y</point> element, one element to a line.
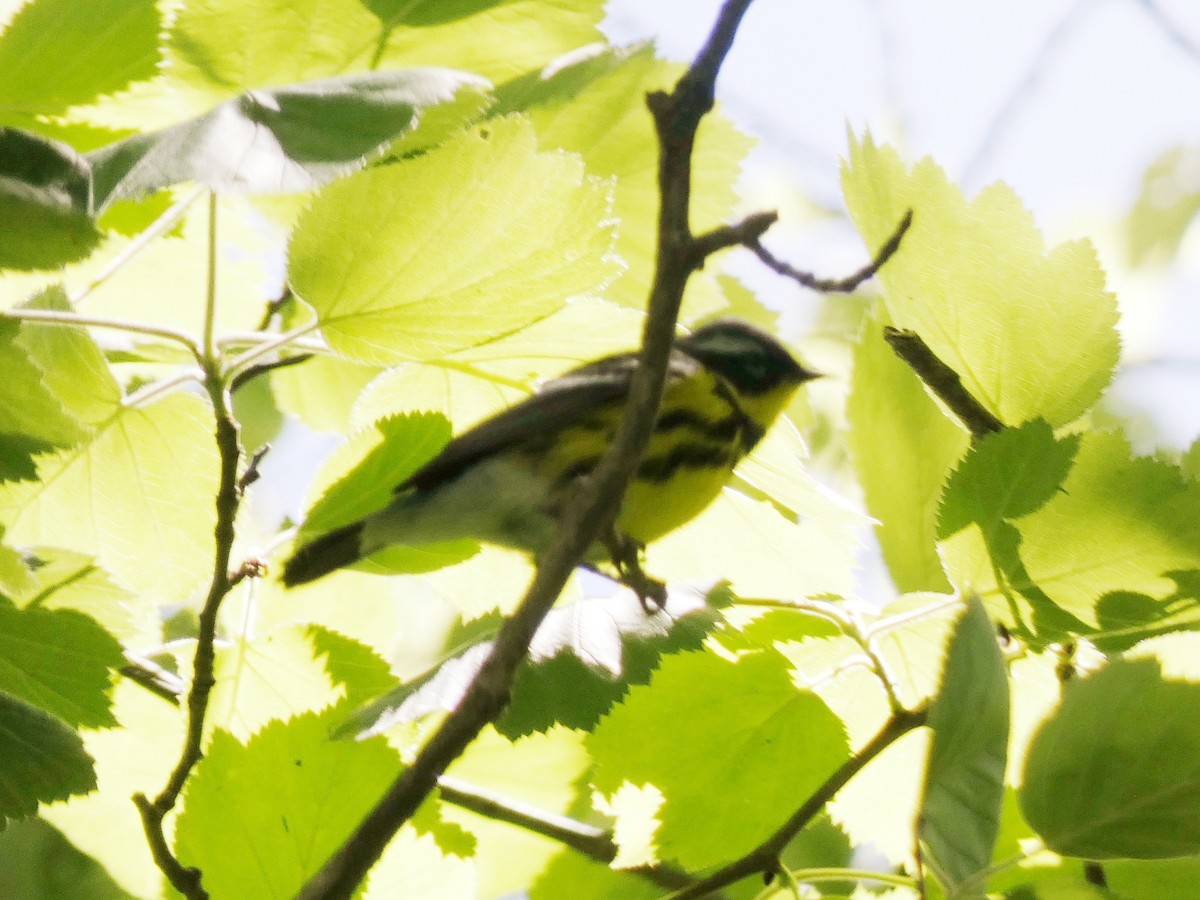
<point>562,402</point>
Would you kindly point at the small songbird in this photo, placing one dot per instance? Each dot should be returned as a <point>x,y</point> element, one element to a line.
<point>505,480</point>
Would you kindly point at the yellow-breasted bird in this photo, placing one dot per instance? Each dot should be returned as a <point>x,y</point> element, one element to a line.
<point>504,481</point>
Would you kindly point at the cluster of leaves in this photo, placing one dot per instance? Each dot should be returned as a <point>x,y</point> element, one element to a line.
<point>452,236</point>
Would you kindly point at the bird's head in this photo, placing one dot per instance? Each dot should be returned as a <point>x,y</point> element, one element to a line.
<point>748,358</point>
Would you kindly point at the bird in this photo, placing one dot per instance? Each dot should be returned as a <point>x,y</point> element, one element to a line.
<point>505,480</point>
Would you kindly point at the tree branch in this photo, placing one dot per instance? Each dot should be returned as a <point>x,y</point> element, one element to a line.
<point>184,879</point>
<point>835,285</point>
<point>765,857</point>
<point>595,505</point>
<point>588,840</point>
<point>943,381</point>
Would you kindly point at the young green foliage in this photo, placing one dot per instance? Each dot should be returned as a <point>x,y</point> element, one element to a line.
<point>964,781</point>
<point>733,747</point>
<point>41,757</point>
<point>1115,772</point>
<point>486,208</point>
<point>286,799</point>
<point>1072,527</point>
<point>119,498</point>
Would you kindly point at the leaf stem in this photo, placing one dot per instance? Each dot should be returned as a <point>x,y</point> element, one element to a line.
<point>149,392</point>
<point>210,297</point>
<point>851,626</point>
<point>70,319</point>
<point>834,874</point>
<point>158,227</point>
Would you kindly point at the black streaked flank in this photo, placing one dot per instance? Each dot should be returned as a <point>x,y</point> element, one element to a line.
<point>724,429</point>
<point>684,456</point>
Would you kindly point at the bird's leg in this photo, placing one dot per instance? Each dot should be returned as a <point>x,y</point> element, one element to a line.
<point>625,555</point>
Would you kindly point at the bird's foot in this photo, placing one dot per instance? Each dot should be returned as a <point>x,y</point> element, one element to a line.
<point>625,554</point>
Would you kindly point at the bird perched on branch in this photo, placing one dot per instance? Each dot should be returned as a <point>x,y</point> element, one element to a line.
<point>505,480</point>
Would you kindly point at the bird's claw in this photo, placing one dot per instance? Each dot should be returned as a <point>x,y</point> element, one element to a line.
<point>626,556</point>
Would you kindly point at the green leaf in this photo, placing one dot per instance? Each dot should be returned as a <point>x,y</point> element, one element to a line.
<point>58,660</point>
<point>473,240</point>
<point>41,864</point>
<point>48,195</point>
<point>49,66</point>
<point>41,757</point>
<point>1116,524</point>
<point>29,410</point>
<point>733,747</point>
<point>1127,743</point>
<point>354,665</point>
<point>387,454</point>
<point>990,322</point>
<point>1022,467</point>
<point>964,782</point>
<point>761,552</point>
<point>263,679</point>
<point>438,32</point>
<point>287,139</point>
<point>217,48</point>
<point>120,499</point>
<point>286,800</point>
<point>593,105</point>
<point>64,579</point>
<point>73,367</point>
<point>902,446</point>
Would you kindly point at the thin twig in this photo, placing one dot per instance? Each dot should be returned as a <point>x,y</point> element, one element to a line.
<point>765,857</point>
<point>1170,29</point>
<point>275,306</point>
<point>187,880</point>
<point>589,840</point>
<point>836,285</point>
<point>745,233</point>
<point>153,677</point>
<point>589,513</point>
<point>943,381</point>
<point>249,374</point>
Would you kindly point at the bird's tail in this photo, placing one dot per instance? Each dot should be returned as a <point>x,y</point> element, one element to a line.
<point>338,548</point>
